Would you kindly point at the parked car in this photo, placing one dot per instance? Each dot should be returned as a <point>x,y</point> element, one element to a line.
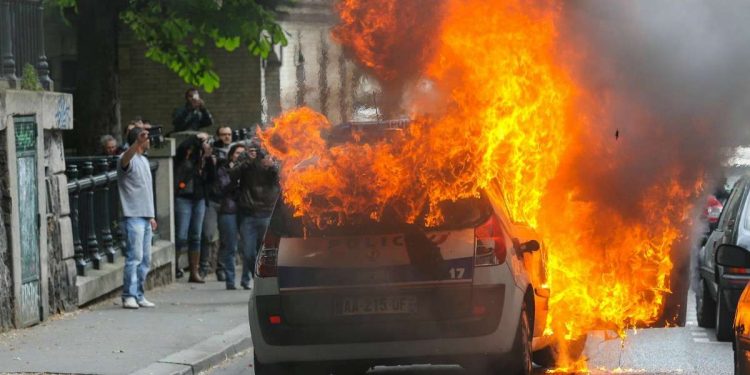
<point>719,288</point>
<point>712,212</point>
<point>471,291</point>
<point>736,261</point>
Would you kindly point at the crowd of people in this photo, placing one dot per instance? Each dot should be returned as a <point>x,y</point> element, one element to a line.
<point>225,190</point>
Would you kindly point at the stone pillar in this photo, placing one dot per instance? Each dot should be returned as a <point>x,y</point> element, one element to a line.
<point>164,188</point>
<point>52,112</point>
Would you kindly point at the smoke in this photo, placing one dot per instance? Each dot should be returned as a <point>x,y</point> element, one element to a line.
<point>394,58</point>
<point>670,78</point>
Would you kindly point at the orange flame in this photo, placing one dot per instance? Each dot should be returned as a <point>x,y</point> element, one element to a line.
<point>510,110</point>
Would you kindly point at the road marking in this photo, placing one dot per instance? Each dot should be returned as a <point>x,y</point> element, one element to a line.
<point>701,333</point>
<point>701,339</point>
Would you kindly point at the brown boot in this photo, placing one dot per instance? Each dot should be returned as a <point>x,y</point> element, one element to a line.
<point>194,258</point>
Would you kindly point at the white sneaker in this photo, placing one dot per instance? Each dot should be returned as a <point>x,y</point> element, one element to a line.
<point>146,303</point>
<point>129,303</point>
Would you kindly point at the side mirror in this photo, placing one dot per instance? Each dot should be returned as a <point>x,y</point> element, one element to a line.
<point>529,246</point>
<point>732,256</point>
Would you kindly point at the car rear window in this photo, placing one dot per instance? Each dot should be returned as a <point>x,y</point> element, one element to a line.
<point>459,214</point>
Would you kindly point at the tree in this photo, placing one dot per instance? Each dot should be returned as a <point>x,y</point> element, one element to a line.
<point>176,34</point>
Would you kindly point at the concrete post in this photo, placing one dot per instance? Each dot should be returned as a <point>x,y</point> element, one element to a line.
<point>164,188</point>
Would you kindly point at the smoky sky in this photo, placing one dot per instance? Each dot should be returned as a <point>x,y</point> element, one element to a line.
<point>670,78</point>
<point>667,86</point>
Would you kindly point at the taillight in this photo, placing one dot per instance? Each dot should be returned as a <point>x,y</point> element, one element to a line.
<point>265,266</point>
<point>737,270</point>
<point>713,214</point>
<point>271,240</point>
<point>489,243</point>
<point>713,210</point>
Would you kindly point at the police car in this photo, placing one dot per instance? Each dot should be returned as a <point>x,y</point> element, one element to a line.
<point>469,292</point>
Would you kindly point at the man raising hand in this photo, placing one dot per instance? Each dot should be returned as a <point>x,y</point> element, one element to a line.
<point>137,201</point>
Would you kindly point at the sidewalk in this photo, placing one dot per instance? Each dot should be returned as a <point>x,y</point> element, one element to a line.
<point>193,326</point>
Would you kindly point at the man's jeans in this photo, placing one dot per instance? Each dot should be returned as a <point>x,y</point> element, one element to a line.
<point>252,231</point>
<point>189,223</point>
<point>137,256</point>
<point>228,233</point>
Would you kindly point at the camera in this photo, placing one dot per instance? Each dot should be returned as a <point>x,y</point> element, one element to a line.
<point>155,136</point>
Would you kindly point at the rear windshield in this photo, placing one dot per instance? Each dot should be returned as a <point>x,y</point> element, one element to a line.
<point>461,214</point>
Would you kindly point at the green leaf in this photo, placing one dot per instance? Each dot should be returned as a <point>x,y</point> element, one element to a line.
<point>177,32</point>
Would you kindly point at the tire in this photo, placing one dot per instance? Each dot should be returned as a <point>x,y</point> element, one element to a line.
<point>522,364</point>
<point>739,368</point>
<point>310,368</point>
<point>724,319</point>
<point>351,369</point>
<point>270,369</point>
<point>550,356</point>
<point>705,306</point>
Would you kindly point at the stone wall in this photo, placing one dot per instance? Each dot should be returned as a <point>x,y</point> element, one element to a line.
<point>6,262</point>
<point>152,91</point>
<point>63,294</point>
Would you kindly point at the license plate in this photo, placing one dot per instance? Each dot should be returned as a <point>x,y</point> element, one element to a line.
<point>376,305</point>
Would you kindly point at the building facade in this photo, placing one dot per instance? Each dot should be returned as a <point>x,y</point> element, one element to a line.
<point>312,69</point>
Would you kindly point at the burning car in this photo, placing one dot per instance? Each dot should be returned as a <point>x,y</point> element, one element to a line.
<point>382,291</point>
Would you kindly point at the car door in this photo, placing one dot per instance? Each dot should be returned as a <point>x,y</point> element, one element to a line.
<point>724,233</point>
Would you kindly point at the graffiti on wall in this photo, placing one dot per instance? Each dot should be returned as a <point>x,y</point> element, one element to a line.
<point>64,113</point>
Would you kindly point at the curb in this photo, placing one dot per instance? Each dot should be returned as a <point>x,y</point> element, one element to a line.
<point>202,355</point>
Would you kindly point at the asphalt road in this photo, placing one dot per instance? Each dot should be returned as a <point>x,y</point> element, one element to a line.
<point>678,350</point>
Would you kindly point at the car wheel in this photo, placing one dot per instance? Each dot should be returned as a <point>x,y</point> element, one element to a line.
<point>705,307</point>
<point>350,369</point>
<point>270,369</point>
<point>739,369</point>
<point>522,346</point>
<point>723,319</point>
<point>550,356</point>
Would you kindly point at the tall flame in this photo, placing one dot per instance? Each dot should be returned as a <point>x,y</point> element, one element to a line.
<point>508,109</point>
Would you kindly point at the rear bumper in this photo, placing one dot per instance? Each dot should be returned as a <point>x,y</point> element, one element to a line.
<point>731,289</point>
<point>383,343</point>
<point>444,318</point>
<point>734,281</point>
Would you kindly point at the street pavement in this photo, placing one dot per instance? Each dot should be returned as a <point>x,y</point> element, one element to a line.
<point>193,327</point>
<point>678,350</point>
<point>203,328</point>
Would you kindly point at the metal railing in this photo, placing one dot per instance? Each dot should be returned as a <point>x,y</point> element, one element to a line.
<point>95,210</point>
<point>22,39</point>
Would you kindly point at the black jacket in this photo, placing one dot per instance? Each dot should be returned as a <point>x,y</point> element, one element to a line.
<point>259,187</point>
<point>189,118</point>
<point>194,173</point>
<point>229,189</point>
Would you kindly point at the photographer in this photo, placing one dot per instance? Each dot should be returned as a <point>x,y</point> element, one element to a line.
<point>223,141</point>
<point>228,215</point>
<point>214,196</point>
<point>194,171</point>
<point>193,115</point>
<point>259,188</point>
<point>137,200</point>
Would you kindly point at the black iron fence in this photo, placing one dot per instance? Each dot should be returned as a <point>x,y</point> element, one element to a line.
<point>22,39</point>
<point>95,210</point>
